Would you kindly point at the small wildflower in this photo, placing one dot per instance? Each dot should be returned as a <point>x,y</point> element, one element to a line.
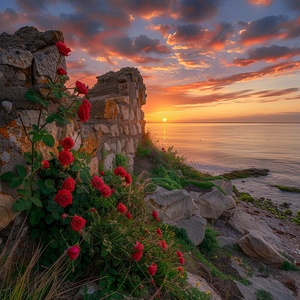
<point>93,210</point>
<point>152,269</point>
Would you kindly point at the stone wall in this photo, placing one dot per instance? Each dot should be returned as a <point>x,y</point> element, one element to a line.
<point>28,59</point>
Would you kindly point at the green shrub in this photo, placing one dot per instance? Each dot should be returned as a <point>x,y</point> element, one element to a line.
<point>210,244</point>
<point>263,295</point>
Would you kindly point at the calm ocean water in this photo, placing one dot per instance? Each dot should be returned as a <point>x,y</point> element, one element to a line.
<point>217,148</point>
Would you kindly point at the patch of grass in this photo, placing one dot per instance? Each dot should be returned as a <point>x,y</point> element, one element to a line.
<point>288,266</point>
<point>246,197</point>
<point>210,245</point>
<point>287,188</point>
<point>263,295</point>
<point>252,172</point>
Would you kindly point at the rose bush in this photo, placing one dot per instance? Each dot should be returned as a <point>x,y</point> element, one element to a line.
<point>101,223</point>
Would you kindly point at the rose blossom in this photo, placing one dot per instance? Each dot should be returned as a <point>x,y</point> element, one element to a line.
<point>81,88</point>
<point>137,255</point>
<point>162,244</point>
<point>67,143</point>
<point>102,173</point>
<point>77,223</point>
<point>97,182</point>
<point>45,164</point>
<point>155,215</point>
<point>62,48</point>
<point>138,246</point>
<point>128,178</point>
<point>65,157</point>
<point>120,171</point>
<point>181,260</point>
<point>73,252</point>
<point>152,269</point>
<point>122,208</point>
<point>179,254</point>
<point>158,231</point>
<point>61,71</point>
<point>69,184</point>
<point>63,198</point>
<point>128,215</point>
<point>105,191</point>
<point>84,111</point>
<point>180,269</point>
<point>64,216</point>
<point>93,210</point>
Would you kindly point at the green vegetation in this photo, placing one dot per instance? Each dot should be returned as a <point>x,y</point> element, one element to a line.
<point>252,172</point>
<point>210,245</point>
<point>263,295</point>
<point>288,266</point>
<point>287,188</point>
<point>168,169</point>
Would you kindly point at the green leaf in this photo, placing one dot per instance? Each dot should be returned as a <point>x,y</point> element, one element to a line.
<point>49,219</point>
<point>104,253</point>
<point>34,218</point>
<point>21,171</point>
<point>50,119</point>
<point>76,168</point>
<point>36,137</point>
<point>35,127</point>
<point>8,176</point>
<point>28,157</point>
<point>31,96</point>
<point>49,140</point>
<point>49,183</point>
<point>56,215</point>
<point>23,192</point>
<point>21,205</point>
<point>36,201</point>
<point>83,176</point>
<point>16,181</point>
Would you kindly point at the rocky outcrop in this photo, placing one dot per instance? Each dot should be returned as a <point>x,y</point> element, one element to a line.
<point>176,208</point>
<point>213,204</point>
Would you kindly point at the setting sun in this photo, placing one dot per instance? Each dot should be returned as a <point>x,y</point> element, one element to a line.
<point>164,120</point>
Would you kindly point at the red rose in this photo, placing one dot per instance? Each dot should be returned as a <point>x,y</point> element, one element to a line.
<point>84,111</point>
<point>120,171</point>
<point>62,48</point>
<point>122,208</point>
<point>155,215</point>
<point>45,164</point>
<point>67,143</point>
<point>93,210</point>
<point>138,246</point>
<point>73,252</point>
<point>97,182</point>
<point>180,269</point>
<point>181,260</point>
<point>77,223</point>
<point>81,88</point>
<point>63,198</point>
<point>128,215</point>
<point>137,255</point>
<point>102,173</point>
<point>69,184</point>
<point>105,191</point>
<point>61,71</point>
<point>65,157</point>
<point>158,231</point>
<point>128,178</point>
<point>64,216</point>
<point>162,244</point>
<point>179,254</point>
<point>152,269</point>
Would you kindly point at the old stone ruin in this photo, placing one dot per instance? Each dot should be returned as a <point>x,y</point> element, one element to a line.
<point>28,59</point>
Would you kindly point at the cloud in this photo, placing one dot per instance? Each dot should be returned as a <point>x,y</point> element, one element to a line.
<point>146,60</point>
<point>143,8</point>
<point>220,36</point>
<point>293,4</point>
<point>264,29</point>
<point>9,18</point>
<point>192,60</point>
<point>269,54</point>
<point>260,2</point>
<point>196,10</point>
<point>33,6</point>
<point>142,44</point>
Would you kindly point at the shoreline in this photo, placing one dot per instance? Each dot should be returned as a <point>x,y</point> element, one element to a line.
<point>258,187</point>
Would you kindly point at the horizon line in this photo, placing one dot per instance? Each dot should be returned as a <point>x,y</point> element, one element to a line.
<point>291,122</point>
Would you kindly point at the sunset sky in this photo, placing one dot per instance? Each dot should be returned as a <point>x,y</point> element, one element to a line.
<point>201,60</point>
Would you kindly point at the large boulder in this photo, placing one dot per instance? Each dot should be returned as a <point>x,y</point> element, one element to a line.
<point>176,208</point>
<point>255,246</point>
<point>7,215</point>
<point>244,223</point>
<point>213,204</point>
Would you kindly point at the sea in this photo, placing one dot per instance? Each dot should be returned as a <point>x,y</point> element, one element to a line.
<point>217,148</point>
